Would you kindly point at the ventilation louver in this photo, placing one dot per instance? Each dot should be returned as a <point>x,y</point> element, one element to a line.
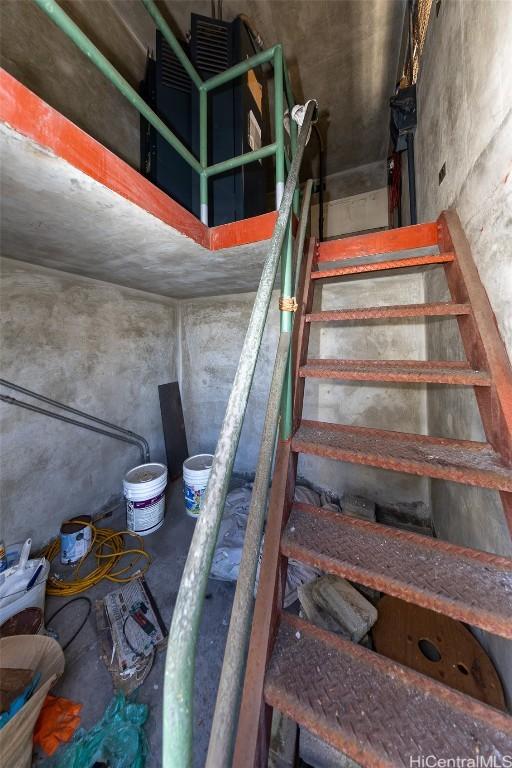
<point>212,46</point>
<point>173,74</point>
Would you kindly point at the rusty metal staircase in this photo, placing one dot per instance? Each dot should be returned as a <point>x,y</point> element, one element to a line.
<point>378,712</point>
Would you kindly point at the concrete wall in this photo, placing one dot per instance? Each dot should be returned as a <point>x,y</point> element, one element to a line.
<point>99,347</point>
<point>465,121</point>
<point>351,214</point>
<point>212,335</point>
<point>38,54</point>
<point>355,181</point>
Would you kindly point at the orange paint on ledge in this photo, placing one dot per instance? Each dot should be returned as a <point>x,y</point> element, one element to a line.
<point>387,241</point>
<point>243,232</point>
<point>29,115</point>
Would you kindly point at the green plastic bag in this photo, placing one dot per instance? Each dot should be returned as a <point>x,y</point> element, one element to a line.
<point>118,739</point>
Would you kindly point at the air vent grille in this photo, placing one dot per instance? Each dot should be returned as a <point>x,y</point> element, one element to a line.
<point>173,74</point>
<point>212,46</point>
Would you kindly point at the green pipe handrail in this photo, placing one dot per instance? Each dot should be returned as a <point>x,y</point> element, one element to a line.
<point>229,691</point>
<point>183,633</point>
<point>282,90</point>
<point>67,25</point>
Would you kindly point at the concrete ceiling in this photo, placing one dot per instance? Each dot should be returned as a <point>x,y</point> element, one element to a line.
<point>57,216</point>
<point>344,53</point>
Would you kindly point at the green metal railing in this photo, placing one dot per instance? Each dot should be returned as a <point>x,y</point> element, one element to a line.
<point>282,92</point>
<point>180,661</point>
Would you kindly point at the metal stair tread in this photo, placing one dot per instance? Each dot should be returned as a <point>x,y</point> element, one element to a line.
<point>462,461</point>
<point>439,309</point>
<point>467,584</point>
<point>382,266</point>
<point>436,371</point>
<point>376,711</point>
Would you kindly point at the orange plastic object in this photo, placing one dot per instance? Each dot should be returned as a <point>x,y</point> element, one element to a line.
<point>57,723</point>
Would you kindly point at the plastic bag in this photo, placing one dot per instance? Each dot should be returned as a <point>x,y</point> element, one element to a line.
<point>57,723</point>
<point>306,495</point>
<point>118,739</point>
<point>230,541</point>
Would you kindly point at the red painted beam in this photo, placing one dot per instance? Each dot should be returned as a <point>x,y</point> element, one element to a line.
<point>29,115</point>
<point>242,232</point>
<point>388,241</point>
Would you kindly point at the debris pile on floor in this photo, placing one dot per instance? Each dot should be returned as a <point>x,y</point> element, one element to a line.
<point>57,723</point>
<point>131,632</point>
<point>83,557</point>
<point>117,741</point>
<point>230,541</point>
<point>332,603</point>
<point>228,552</point>
<point>31,665</point>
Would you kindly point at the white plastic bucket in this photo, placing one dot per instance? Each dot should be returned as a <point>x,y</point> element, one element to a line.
<point>144,491</point>
<point>196,471</point>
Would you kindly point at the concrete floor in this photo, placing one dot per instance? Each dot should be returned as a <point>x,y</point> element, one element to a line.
<point>86,678</point>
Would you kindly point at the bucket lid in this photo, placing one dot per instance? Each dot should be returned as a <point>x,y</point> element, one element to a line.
<point>199,462</point>
<point>145,473</point>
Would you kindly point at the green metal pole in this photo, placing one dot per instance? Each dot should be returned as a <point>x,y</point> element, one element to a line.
<point>62,20</point>
<point>278,120</point>
<point>170,38</point>
<point>286,327</point>
<point>290,285</point>
<point>181,646</point>
<point>239,69</point>
<point>236,162</point>
<point>286,254</point>
<point>203,154</point>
